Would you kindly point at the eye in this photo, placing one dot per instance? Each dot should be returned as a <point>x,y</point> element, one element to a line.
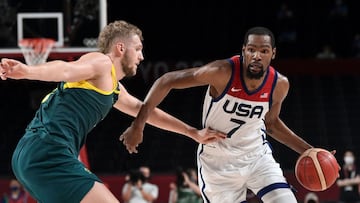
<point>252,50</point>
<point>139,49</point>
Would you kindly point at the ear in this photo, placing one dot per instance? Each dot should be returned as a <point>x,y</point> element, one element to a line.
<point>120,47</point>
<point>274,54</point>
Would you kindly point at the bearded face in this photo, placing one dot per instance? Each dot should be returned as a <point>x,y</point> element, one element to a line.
<point>128,67</point>
<point>255,71</point>
<point>132,55</point>
<point>257,55</point>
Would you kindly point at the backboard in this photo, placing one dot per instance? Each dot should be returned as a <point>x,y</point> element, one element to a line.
<point>28,22</point>
<point>73,24</point>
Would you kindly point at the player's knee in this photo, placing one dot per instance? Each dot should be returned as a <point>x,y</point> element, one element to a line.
<point>280,195</point>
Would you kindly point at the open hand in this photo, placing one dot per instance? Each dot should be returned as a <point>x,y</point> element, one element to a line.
<point>131,138</point>
<point>14,69</point>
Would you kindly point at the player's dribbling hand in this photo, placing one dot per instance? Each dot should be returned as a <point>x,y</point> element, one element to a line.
<point>333,152</point>
<point>131,138</point>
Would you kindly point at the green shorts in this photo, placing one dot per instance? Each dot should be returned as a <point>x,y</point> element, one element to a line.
<point>50,172</point>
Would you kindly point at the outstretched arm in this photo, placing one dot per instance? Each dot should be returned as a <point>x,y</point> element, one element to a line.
<point>89,66</point>
<point>158,118</point>
<point>206,75</point>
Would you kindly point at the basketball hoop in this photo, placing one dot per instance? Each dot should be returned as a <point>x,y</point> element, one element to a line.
<point>36,50</point>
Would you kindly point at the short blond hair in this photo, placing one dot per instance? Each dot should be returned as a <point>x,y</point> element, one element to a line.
<point>115,30</point>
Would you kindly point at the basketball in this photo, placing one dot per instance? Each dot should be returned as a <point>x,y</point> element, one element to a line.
<point>316,169</point>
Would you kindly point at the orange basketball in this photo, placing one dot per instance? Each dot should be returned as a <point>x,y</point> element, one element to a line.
<point>316,169</point>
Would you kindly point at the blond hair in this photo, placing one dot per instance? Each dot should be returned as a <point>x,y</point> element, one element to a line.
<point>115,30</point>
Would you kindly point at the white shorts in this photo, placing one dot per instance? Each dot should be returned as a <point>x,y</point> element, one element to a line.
<point>226,179</point>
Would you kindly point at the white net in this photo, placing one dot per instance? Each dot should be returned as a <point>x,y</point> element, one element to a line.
<point>36,50</point>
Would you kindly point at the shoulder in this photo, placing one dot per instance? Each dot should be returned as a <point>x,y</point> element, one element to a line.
<point>217,67</point>
<point>96,60</point>
<point>282,81</point>
<point>221,63</point>
<point>205,74</point>
<point>93,55</point>
<point>281,88</point>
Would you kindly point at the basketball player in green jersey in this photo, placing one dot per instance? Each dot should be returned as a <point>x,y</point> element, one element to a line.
<point>45,160</point>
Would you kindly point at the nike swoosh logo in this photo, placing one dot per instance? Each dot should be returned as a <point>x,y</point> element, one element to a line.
<point>233,89</point>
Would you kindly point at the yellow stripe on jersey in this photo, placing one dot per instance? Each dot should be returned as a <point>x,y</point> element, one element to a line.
<point>47,96</point>
<point>86,85</point>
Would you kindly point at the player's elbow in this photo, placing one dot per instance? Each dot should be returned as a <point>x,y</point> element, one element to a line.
<point>272,124</point>
<point>269,127</point>
<point>166,81</point>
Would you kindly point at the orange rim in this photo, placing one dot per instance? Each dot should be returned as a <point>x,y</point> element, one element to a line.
<point>39,45</point>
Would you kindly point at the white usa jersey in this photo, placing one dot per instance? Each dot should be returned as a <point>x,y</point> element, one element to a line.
<point>239,113</point>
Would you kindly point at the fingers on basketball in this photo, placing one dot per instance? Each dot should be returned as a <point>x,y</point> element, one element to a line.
<point>316,169</point>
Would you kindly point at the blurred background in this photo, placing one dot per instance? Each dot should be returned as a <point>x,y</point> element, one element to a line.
<point>318,48</point>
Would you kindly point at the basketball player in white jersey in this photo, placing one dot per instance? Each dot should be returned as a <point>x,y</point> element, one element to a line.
<point>243,100</point>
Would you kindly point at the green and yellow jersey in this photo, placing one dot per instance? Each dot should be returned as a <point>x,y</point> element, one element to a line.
<point>72,110</point>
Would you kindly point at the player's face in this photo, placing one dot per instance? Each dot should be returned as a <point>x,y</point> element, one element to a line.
<point>257,54</point>
<point>132,56</point>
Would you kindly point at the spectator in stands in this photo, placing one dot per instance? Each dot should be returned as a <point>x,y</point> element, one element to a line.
<point>287,24</point>
<point>16,193</point>
<point>186,189</point>
<point>339,19</point>
<point>326,53</point>
<point>339,9</point>
<point>149,187</point>
<point>349,180</point>
<point>286,27</point>
<point>138,189</point>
